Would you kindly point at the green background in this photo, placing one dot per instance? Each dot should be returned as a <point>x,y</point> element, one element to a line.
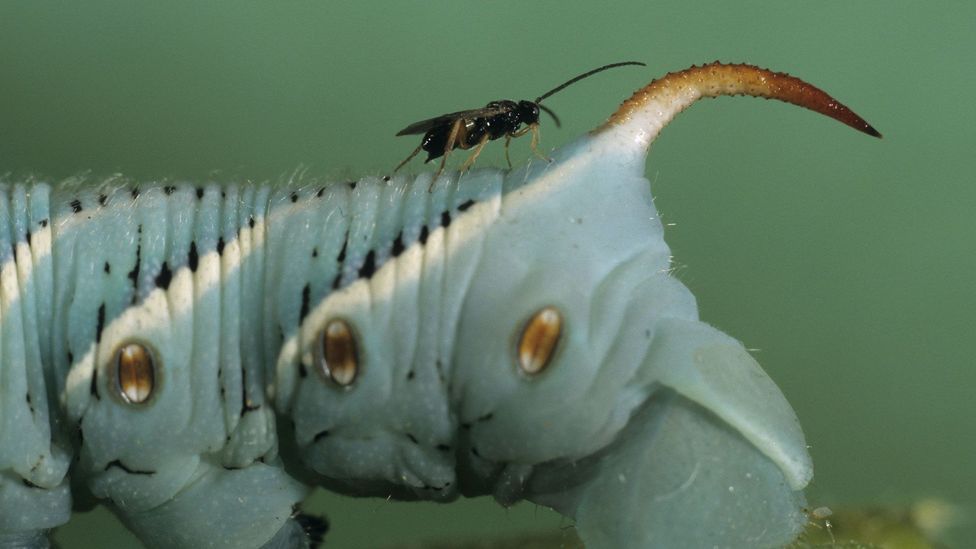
<point>847,262</point>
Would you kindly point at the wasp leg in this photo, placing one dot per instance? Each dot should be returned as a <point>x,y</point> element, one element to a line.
<point>477,150</point>
<point>452,139</point>
<point>407,159</point>
<point>535,143</point>
<point>508,139</point>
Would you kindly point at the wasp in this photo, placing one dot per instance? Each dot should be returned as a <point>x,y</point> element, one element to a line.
<point>476,127</point>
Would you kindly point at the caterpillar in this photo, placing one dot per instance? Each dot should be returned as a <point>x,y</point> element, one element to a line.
<point>196,355</point>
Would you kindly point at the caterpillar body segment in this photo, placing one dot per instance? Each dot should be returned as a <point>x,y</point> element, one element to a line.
<point>509,333</point>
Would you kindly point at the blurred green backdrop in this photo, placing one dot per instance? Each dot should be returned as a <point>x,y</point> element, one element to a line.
<point>846,262</point>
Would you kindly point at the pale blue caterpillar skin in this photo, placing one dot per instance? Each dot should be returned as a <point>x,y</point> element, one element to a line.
<point>647,426</point>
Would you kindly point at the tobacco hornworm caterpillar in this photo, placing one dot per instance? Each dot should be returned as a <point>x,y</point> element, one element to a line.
<point>176,346</point>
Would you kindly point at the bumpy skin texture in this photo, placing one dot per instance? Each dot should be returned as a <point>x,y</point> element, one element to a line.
<point>647,426</point>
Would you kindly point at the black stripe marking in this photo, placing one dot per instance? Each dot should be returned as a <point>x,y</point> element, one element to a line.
<point>102,200</point>
<point>445,219</point>
<point>101,324</point>
<point>424,233</point>
<point>76,206</point>
<point>294,197</point>
<point>193,259</point>
<point>199,193</point>
<point>169,189</point>
<point>164,277</point>
<point>93,388</point>
<point>220,246</point>
<point>107,268</point>
<point>466,205</point>
<point>306,291</point>
<point>369,265</point>
<point>398,245</point>
<point>135,193</point>
<point>134,273</point>
<point>320,193</point>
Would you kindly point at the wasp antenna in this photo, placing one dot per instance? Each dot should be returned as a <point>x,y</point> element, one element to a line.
<point>550,113</point>
<point>584,75</point>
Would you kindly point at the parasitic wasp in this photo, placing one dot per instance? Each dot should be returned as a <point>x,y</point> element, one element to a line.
<point>476,127</point>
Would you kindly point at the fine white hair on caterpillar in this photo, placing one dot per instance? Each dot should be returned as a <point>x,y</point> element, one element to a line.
<point>196,356</point>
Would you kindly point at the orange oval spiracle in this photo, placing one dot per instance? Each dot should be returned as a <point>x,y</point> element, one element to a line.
<point>538,340</point>
<point>339,361</point>
<point>135,373</point>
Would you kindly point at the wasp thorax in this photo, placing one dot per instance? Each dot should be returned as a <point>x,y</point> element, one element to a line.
<point>339,361</point>
<point>135,373</point>
<point>538,340</point>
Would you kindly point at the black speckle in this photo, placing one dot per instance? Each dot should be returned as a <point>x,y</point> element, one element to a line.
<point>342,252</point>
<point>474,451</point>
<point>410,375</point>
<point>199,193</point>
<point>487,417</point>
<point>352,184</point>
<point>250,221</point>
<point>412,438</point>
<point>424,233</point>
<point>76,205</point>
<point>71,358</point>
<point>169,189</point>
<point>315,252</point>
<point>294,197</point>
<point>320,435</point>
<point>28,483</point>
<point>102,200</point>
<point>101,324</point>
<point>223,194</point>
<point>306,295</point>
<point>445,219</point>
<point>193,260</point>
<point>302,371</point>
<point>220,246</point>
<point>397,245</point>
<point>369,265</point>
<point>135,193</point>
<point>443,447</point>
<point>107,268</point>
<point>386,178</point>
<point>43,223</point>
<point>28,237</point>
<point>320,193</point>
<point>164,277</point>
<point>465,205</point>
<point>336,281</point>
<point>29,403</point>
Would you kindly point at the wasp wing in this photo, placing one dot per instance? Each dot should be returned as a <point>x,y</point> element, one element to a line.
<point>445,119</point>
